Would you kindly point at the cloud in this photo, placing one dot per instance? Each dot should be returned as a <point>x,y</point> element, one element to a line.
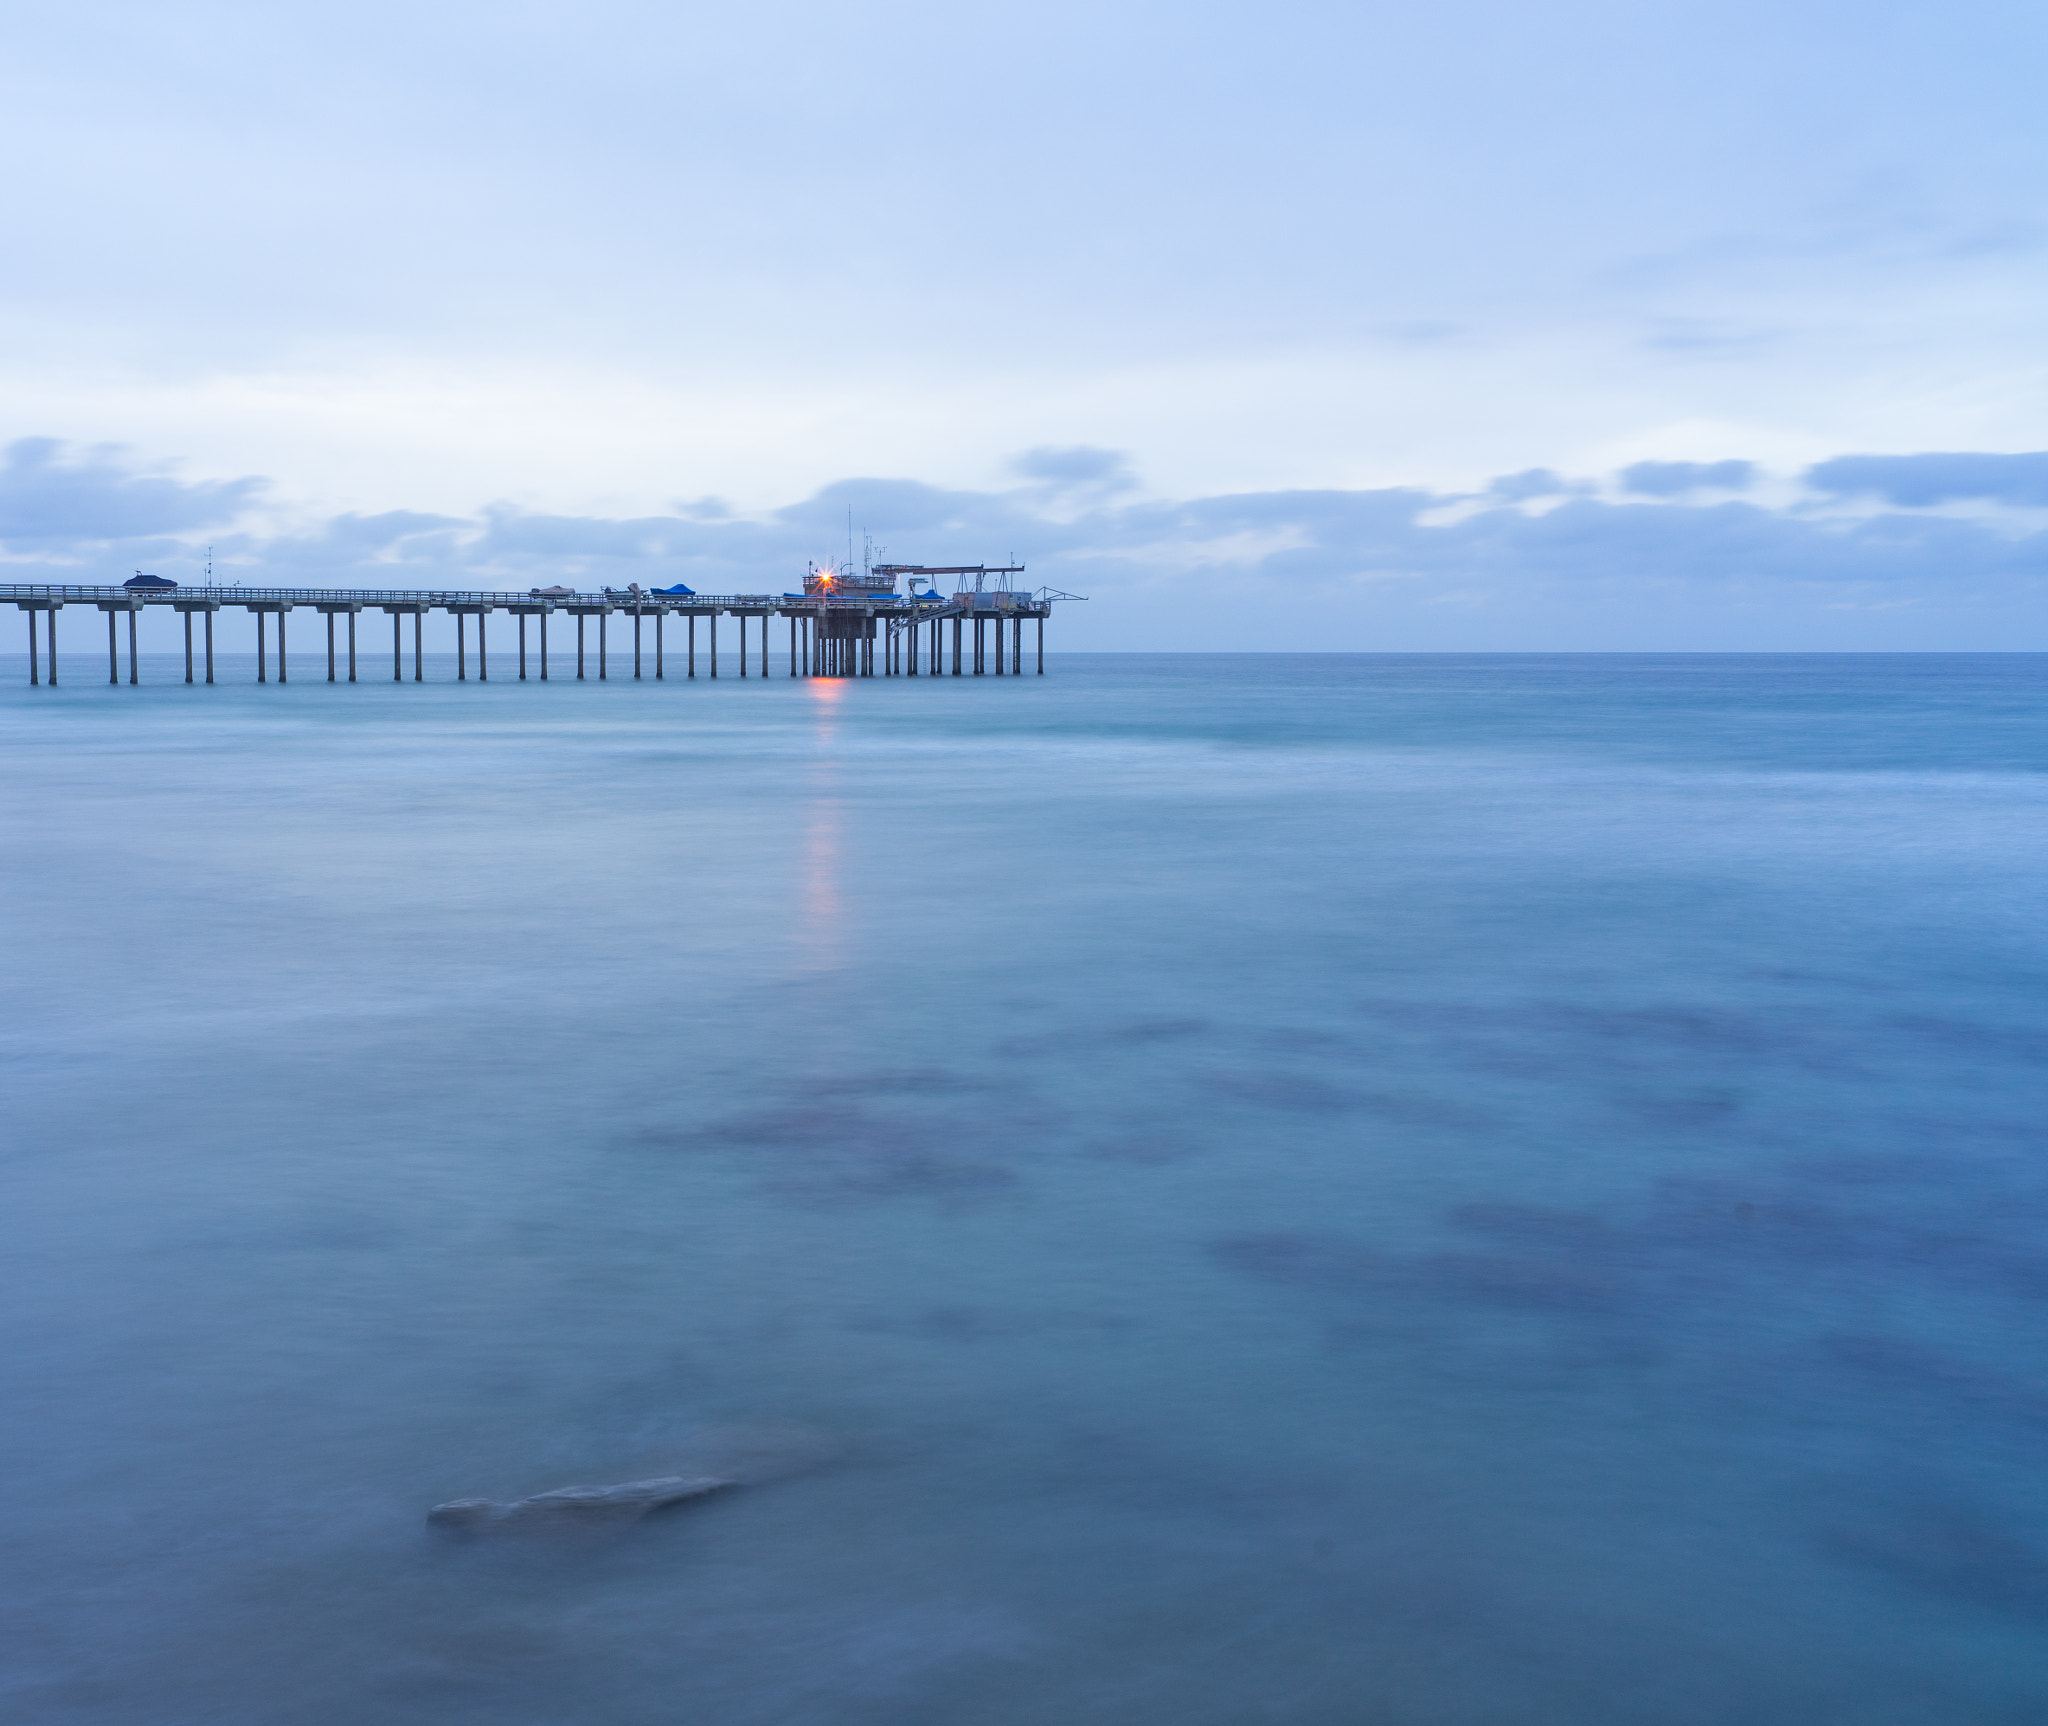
<point>1530,482</point>
<point>1676,478</point>
<point>1917,481</point>
<point>1077,466</point>
<point>47,497</point>
<point>1387,566</point>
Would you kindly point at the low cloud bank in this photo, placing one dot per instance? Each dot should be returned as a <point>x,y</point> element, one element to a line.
<point>1663,555</point>
<point>1918,481</point>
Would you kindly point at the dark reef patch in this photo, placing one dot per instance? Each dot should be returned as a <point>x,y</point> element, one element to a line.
<point>832,1149</point>
<point>981,1324</point>
<point>904,1082</point>
<point>1292,1092</point>
<point>1417,1109</point>
<point>1694,1238</point>
<point>1331,1264</point>
<point>1146,1148</point>
<point>1929,1379</point>
<point>1134,1034</point>
<point>1678,1109</point>
<point>1542,1039</point>
<point>1973,1038</point>
<point>1955,1552</point>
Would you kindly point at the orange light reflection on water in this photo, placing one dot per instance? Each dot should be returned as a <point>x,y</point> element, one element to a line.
<point>824,903</point>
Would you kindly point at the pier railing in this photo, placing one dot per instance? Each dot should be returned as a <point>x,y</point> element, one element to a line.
<point>437,599</point>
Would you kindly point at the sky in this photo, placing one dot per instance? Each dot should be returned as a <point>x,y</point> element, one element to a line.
<point>1473,325</point>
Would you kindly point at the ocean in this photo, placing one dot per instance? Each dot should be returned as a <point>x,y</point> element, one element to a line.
<point>1325,1189</point>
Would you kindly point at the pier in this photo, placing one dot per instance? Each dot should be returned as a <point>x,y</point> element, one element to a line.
<point>842,625</point>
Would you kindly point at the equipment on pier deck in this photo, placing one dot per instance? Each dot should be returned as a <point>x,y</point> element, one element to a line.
<point>982,572</point>
<point>834,581</point>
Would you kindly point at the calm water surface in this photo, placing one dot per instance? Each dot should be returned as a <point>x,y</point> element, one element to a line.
<point>1332,1190</point>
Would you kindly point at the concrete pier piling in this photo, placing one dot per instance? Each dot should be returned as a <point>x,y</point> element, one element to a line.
<point>583,611</point>
<point>42,666</point>
<point>839,626</point>
<point>204,608</point>
<point>260,610</point>
<point>347,608</point>
<point>461,614</point>
<point>115,608</point>
<point>523,612</point>
<point>399,607</point>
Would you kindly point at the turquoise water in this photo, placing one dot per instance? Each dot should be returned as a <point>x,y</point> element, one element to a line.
<point>1328,1190</point>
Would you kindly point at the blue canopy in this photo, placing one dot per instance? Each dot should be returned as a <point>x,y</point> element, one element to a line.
<point>690,592</point>
<point>138,579</point>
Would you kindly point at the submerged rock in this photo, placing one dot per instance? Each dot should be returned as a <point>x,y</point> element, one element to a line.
<point>576,1505</point>
<point>717,1458</point>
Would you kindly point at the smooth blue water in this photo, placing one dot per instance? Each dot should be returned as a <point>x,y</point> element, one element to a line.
<point>1317,1189</point>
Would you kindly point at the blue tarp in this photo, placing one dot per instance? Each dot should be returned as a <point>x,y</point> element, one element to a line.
<point>690,592</point>
<point>138,579</point>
